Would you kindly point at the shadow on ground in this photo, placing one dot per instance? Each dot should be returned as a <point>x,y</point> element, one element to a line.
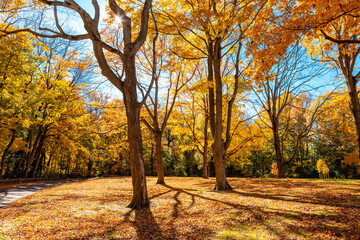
<point>188,209</point>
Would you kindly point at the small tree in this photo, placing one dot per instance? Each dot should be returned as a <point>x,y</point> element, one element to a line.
<point>353,162</point>
<point>274,169</point>
<point>322,168</point>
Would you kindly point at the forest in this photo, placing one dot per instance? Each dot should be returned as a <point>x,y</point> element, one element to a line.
<point>192,88</point>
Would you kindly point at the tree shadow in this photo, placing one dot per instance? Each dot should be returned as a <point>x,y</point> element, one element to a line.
<point>178,218</point>
<point>270,219</point>
<point>146,225</point>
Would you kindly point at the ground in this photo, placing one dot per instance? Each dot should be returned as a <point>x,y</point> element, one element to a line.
<point>187,208</point>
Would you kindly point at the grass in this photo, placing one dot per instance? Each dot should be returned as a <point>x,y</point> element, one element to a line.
<point>187,208</point>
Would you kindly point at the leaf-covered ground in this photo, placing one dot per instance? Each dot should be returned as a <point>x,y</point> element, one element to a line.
<point>186,208</point>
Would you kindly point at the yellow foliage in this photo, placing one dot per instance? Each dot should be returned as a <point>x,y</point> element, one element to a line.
<point>274,169</point>
<point>322,168</point>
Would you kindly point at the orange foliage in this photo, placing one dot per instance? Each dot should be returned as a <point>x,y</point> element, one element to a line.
<point>185,208</point>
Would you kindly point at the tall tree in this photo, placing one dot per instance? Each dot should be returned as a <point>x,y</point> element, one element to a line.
<point>159,110</point>
<point>126,83</point>
<point>331,33</point>
<point>286,81</point>
<point>193,112</point>
<point>215,31</point>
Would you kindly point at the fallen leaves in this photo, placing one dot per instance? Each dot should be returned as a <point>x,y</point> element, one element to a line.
<point>186,208</point>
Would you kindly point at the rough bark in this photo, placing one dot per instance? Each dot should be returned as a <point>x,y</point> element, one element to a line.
<point>355,109</point>
<point>210,79</point>
<point>159,162</point>
<point>140,198</point>
<point>347,63</point>
<point>39,152</point>
<point>3,158</point>
<point>219,145</point>
<point>33,151</point>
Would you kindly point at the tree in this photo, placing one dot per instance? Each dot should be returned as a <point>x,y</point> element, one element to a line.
<point>159,110</point>
<point>322,169</point>
<point>215,31</point>
<point>335,133</point>
<point>331,32</point>
<point>18,67</point>
<point>285,82</point>
<point>127,84</point>
<point>352,161</point>
<point>193,112</point>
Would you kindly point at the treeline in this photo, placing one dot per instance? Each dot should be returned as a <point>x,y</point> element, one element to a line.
<point>54,124</point>
<point>209,89</point>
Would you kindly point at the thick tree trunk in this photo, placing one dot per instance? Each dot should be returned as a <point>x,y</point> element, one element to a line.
<point>159,162</point>
<point>219,157</point>
<point>139,198</point>
<point>347,64</point>
<point>205,165</point>
<point>210,79</point>
<point>39,152</point>
<point>279,157</point>
<point>37,160</point>
<point>354,107</point>
<point>218,145</point>
<point>3,158</point>
<point>32,152</point>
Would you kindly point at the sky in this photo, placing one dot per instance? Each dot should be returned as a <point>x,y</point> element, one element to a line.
<point>113,92</point>
<point>76,24</point>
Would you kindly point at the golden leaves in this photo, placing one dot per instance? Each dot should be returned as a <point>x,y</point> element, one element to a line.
<point>186,209</point>
<point>352,159</point>
<point>321,167</point>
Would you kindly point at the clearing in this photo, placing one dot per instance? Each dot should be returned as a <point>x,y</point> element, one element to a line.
<point>186,208</point>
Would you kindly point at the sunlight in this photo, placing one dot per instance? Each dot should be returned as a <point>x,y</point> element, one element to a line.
<point>118,19</point>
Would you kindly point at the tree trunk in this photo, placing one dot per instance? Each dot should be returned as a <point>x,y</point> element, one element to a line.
<point>21,160</point>
<point>42,164</point>
<point>33,151</point>
<point>354,107</point>
<point>347,64</point>
<point>205,154</point>
<point>23,153</point>
<point>210,79</point>
<point>279,157</point>
<point>3,158</point>
<point>218,145</point>
<point>139,198</point>
<point>39,152</point>
<point>37,160</point>
<point>152,160</point>
<point>159,162</point>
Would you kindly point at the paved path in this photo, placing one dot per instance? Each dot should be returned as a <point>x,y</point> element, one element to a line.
<point>11,194</point>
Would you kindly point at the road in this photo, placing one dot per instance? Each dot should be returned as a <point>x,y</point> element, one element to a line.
<point>11,194</point>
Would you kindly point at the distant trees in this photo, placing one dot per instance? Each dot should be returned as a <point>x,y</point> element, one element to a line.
<point>287,81</point>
